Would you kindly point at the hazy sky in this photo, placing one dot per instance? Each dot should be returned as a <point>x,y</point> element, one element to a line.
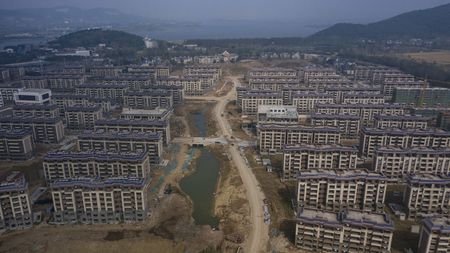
<point>315,11</point>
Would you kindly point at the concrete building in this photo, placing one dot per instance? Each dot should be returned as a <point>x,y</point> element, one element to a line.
<point>93,200</point>
<point>105,71</point>
<point>58,82</point>
<point>341,91</point>
<point>16,145</point>
<point>38,110</point>
<point>271,83</point>
<point>15,207</point>
<point>156,126</point>
<point>122,142</point>
<point>388,88</point>
<point>306,101</point>
<point>95,164</point>
<point>175,90</point>
<point>82,117</point>
<point>253,99</point>
<point>309,72</point>
<point>399,162</point>
<point>8,91</point>
<point>32,96</point>
<point>44,130</point>
<point>307,157</point>
<point>133,82</point>
<point>153,71</point>
<point>427,195</point>
<point>420,96</point>
<point>363,99</point>
<point>283,114</point>
<point>349,125</point>
<point>273,137</point>
<point>434,235</point>
<point>345,231</point>
<point>114,92</point>
<point>63,100</point>
<point>372,138</point>
<point>191,86</point>
<point>148,99</point>
<point>203,69</point>
<point>402,122</point>
<point>142,114</point>
<point>271,72</point>
<point>321,83</point>
<point>336,190</point>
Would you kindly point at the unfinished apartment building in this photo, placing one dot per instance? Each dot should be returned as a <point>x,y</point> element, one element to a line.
<point>95,164</point>
<point>82,117</point>
<point>402,122</point>
<point>63,100</point>
<point>280,114</point>
<point>114,92</point>
<point>148,99</point>
<point>348,91</point>
<point>366,112</point>
<point>306,102</point>
<point>363,99</point>
<point>15,206</point>
<point>16,144</point>
<point>44,130</point>
<point>133,82</point>
<point>253,99</point>
<point>273,137</point>
<point>336,190</point>
<point>273,79</point>
<point>434,235</point>
<point>44,110</point>
<point>152,71</point>
<point>95,200</point>
<point>208,74</point>
<point>191,86</point>
<point>120,125</point>
<point>307,157</point>
<point>176,91</point>
<point>311,72</point>
<point>344,231</point>
<point>427,195</point>
<point>398,162</point>
<point>372,138</point>
<point>349,125</point>
<point>146,114</point>
<point>104,71</point>
<point>321,83</point>
<point>122,142</point>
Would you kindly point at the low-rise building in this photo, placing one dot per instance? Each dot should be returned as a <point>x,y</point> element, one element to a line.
<point>427,195</point>
<point>44,130</point>
<point>372,138</point>
<point>16,144</point>
<point>94,200</point>
<point>398,162</point>
<point>273,137</point>
<point>82,117</point>
<point>307,157</point>
<point>32,96</point>
<point>434,235</point>
<point>95,164</point>
<point>345,231</point>
<point>282,114</point>
<point>122,142</point>
<point>15,207</point>
<point>349,125</point>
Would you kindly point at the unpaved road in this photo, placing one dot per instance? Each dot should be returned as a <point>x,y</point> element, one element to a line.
<point>259,234</point>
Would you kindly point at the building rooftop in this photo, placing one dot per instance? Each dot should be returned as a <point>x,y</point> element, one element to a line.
<point>320,148</point>
<point>26,120</point>
<point>107,156</point>
<point>15,133</point>
<point>438,224</point>
<point>413,151</point>
<point>335,116</point>
<point>120,136</point>
<point>95,183</point>
<point>299,128</point>
<point>146,112</point>
<point>13,181</point>
<point>83,108</point>
<point>341,175</point>
<point>428,179</point>
<point>405,132</point>
<point>128,122</point>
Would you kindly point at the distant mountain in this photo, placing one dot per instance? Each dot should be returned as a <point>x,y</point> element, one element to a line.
<point>91,38</point>
<point>426,23</point>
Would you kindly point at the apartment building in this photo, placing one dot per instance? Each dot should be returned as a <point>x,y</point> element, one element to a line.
<point>253,99</point>
<point>307,157</point>
<point>434,235</point>
<point>398,162</point>
<point>320,83</point>
<point>157,126</point>
<point>306,101</point>
<point>312,72</point>
<point>15,207</point>
<point>344,231</point>
<point>372,73</point>
<point>16,145</point>
<point>426,195</point>
<point>273,137</point>
<point>148,99</point>
<point>282,114</point>
<point>378,75</point>
<point>175,90</point>
<point>153,71</point>
<point>288,92</point>
<point>95,164</point>
<point>208,74</point>
<point>191,86</point>
<point>341,91</point>
<point>271,73</point>
<point>64,82</point>
<point>372,138</point>
<point>142,114</point>
<point>349,125</point>
<point>388,88</point>
<point>94,200</point>
<point>39,110</point>
<point>242,91</point>
<point>114,92</point>
<point>366,112</point>
<point>64,100</point>
<point>74,70</point>
<point>422,96</point>
<point>402,122</point>
<point>82,117</point>
<point>336,190</point>
<point>271,83</point>
<point>363,99</point>
<point>133,82</point>
<point>35,82</point>
<point>7,91</point>
<point>44,130</point>
<point>105,71</point>
<point>122,142</point>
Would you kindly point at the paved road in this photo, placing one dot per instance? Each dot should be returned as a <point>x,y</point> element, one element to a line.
<point>259,234</point>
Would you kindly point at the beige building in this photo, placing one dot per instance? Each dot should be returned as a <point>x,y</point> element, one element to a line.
<point>40,110</point>
<point>70,100</point>
<point>363,99</point>
<point>114,92</point>
<point>191,86</point>
<point>306,101</point>
<point>349,125</point>
<point>95,164</point>
<point>15,206</point>
<point>402,122</point>
<point>16,144</point>
<point>105,71</point>
<point>434,235</point>
<point>427,195</point>
<point>345,231</point>
<point>144,114</point>
<point>44,130</point>
<point>307,157</point>
<point>148,99</point>
<point>152,71</point>
<point>82,117</point>
<point>336,190</point>
<point>372,138</point>
<point>353,90</point>
<point>273,137</point>
<point>253,99</point>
